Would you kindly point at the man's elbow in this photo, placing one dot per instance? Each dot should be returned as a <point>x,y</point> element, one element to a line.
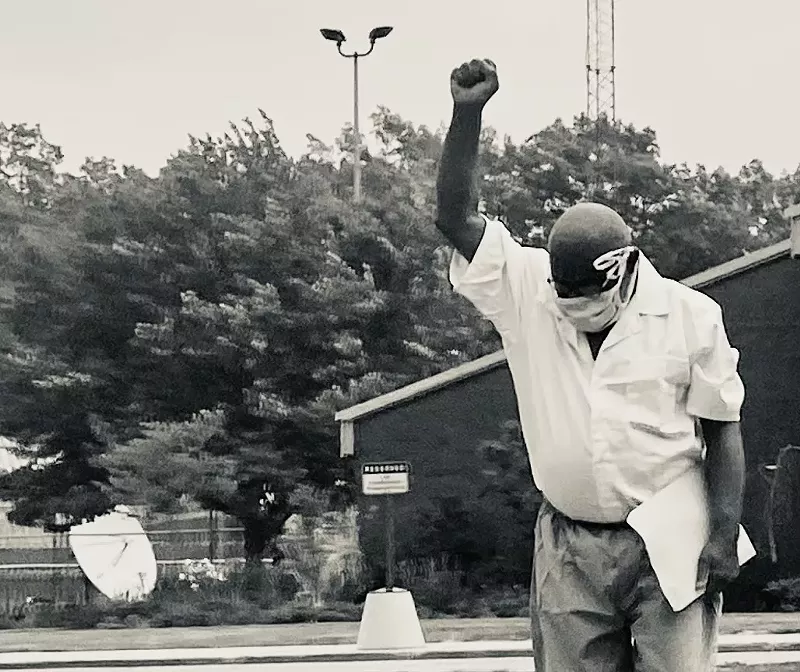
<point>464,233</point>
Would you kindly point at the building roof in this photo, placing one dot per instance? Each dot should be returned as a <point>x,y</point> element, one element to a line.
<point>425,386</point>
<point>422,387</point>
<point>746,262</point>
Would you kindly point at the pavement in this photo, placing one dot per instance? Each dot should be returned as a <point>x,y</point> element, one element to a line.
<point>462,645</point>
<point>312,634</point>
<point>781,648</point>
<point>767,663</point>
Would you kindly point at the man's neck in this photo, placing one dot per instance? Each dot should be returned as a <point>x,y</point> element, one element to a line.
<point>596,340</point>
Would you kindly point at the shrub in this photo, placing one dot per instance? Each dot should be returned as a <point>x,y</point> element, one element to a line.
<point>208,613</point>
<point>199,574</point>
<point>435,583</point>
<point>325,573</point>
<point>511,604</point>
<point>198,611</point>
<point>184,615</point>
<point>100,612</point>
<point>784,595</point>
<point>265,586</point>
<point>268,587</point>
<point>340,612</point>
<point>442,588</point>
<point>293,613</point>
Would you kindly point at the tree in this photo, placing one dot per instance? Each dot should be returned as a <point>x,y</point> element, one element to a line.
<point>73,299</point>
<point>28,163</point>
<point>510,495</point>
<point>268,316</point>
<point>685,220</point>
<point>44,368</point>
<point>219,314</point>
<point>199,459</point>
<point>532,184</point>
<point>287,300</point>
<point>465,523</point>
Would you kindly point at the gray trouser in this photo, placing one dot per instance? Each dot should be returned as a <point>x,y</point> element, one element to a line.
<point>596,605</point>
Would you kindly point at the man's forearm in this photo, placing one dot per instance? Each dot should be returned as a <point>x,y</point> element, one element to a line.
<point>725,475</point>
<point>457,181</point>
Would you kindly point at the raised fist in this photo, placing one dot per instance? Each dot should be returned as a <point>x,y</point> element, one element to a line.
<point>474,83</point>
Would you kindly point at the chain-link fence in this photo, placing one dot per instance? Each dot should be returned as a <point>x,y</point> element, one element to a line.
<point>179,544</point>
<point>42,567</point>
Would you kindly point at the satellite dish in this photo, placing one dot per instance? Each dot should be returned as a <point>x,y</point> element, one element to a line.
<point>115,555</point>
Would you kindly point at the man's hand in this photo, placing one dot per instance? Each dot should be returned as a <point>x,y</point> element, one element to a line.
<point>719,564</point>
<point>474,83</point>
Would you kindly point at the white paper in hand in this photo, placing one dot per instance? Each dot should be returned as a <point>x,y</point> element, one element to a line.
<point>674,525</point>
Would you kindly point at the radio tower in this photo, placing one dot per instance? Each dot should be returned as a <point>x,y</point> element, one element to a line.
<point>601,96</point>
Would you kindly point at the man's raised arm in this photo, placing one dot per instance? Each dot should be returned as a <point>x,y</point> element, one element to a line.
<point>472,85</point>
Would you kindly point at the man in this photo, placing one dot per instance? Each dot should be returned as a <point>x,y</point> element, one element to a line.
<point>625,381</point>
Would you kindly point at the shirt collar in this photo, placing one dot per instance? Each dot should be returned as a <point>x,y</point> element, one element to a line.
<point>651,297</point>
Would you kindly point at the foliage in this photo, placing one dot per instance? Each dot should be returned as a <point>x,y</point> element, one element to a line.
<point>28,163</point>
<point>685,220</point>
<point>178,613</point>
<point>462,521</point>
<point>188,337</point>
<point>785,511</point>
<point>197,574</point>
<point>784,594</point>
<point>167,461</point>
<point>246,598</point>
<point>437,583</point>
<point>326,563</point>
<point>510,488</point>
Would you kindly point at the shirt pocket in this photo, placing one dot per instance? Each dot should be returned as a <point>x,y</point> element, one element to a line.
<point>650,392</point>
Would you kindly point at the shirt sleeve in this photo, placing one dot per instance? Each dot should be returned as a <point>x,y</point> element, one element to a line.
<point>716,391</point>
<point>500,276</point>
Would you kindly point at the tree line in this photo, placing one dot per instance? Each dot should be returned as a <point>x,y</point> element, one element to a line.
<point>189,337</point>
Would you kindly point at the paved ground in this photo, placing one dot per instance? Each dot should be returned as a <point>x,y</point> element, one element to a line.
<point>439,630</point>
<point>764,650</point>
<point>472,665</point>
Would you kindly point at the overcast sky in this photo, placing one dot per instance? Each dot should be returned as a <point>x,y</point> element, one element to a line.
<point>129,79</point>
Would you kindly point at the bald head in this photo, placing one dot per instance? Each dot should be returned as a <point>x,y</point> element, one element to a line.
<point>579,236</point>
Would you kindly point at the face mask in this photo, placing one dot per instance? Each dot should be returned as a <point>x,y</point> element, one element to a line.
<point>595,313</point>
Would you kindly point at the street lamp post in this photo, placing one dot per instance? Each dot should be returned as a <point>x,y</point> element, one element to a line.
<point>338,37</point>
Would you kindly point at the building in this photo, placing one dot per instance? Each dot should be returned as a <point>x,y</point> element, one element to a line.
<point>437,424</point>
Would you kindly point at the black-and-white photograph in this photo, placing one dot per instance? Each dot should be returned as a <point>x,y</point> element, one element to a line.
<point>369,336</point>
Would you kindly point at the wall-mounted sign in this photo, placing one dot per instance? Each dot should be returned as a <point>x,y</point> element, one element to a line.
<point>385,478</point>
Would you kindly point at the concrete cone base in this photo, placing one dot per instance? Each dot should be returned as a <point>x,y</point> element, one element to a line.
<point>390,621</point>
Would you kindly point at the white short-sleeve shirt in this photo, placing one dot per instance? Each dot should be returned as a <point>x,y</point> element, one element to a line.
<point>604,435</point>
